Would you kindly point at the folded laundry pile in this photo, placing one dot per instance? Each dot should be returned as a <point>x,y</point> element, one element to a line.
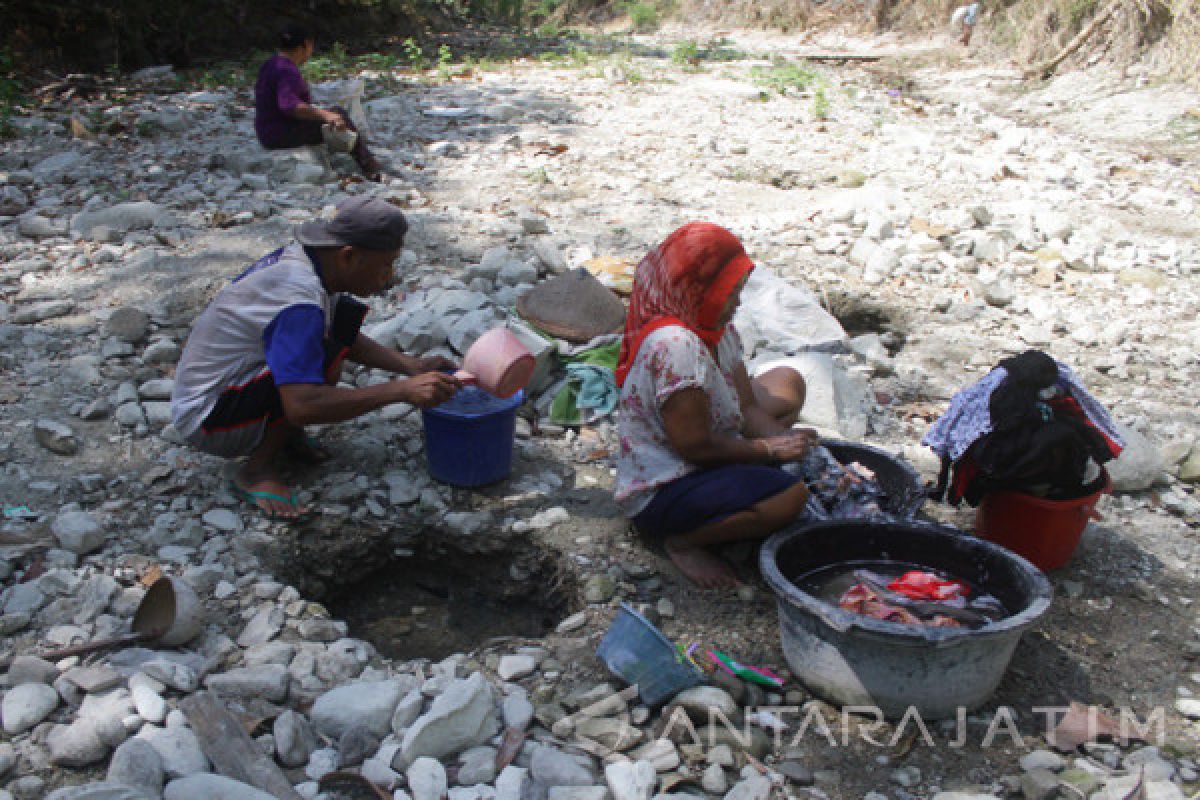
<point>1027,426</point>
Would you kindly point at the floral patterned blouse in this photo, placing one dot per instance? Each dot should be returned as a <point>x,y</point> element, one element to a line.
<point>670,359</point>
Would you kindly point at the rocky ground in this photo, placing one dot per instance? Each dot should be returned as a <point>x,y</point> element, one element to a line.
<point>947,215</point>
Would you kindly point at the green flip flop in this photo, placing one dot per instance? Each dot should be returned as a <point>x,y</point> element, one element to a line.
<point>253,497</point>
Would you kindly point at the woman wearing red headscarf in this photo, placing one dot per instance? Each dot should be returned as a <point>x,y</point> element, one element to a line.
<point>699,440</point>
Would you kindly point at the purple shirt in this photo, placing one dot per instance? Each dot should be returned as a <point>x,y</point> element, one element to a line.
<point>279,89</point>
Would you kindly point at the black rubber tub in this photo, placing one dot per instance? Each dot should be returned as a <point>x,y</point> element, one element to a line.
<point>848,659</point>
<point>903,492</point>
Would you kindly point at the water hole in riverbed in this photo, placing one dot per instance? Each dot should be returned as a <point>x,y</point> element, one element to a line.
<point>431,606</point>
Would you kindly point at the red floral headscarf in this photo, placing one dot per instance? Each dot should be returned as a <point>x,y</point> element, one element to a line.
<point>685,281</point>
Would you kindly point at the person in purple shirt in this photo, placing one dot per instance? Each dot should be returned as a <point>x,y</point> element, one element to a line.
<point>284,114</point>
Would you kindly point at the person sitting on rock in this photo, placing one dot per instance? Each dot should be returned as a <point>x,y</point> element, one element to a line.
<point>284,116</point>
<point>699,440</point>
<point>264,358</point>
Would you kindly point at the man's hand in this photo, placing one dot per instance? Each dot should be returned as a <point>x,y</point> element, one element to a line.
<point>335,120</point>
<point>435,364</point>
<point>428,389</point>
<point>791,446</point>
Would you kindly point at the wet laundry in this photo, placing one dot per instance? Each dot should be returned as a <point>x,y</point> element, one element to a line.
<point>838,491</point>
<point>920,598</point>
<point>1028,426</point>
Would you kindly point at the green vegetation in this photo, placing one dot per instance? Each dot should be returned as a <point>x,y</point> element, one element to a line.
<point>784,76</point>
<point>686,53</point>
<point>643,16</point>
<point>413,54</point>
<point>820,104</point>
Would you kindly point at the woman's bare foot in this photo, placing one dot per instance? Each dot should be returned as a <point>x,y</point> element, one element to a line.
<point>700,566</point>
<point>266,489</point>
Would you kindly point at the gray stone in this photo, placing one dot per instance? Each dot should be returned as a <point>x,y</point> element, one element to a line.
<point>76,745</point>
<point>551,767</point>
<point>78,531</point>
<point>158,415</point>
<point>1188,707</point>
<point>40,312</point>
<point>136,763</point>
<point>174,674</point>
<point>53,168</point>
<point>157,389</point>
<point>26,705</point>
<point>407,711</point>
<point>149,704</point>
<point>964,796</point>
<point>98,409</point>
<point>756,787</point>
<point>631,780</point>
<point>599,589</point>
<point>119,219</point>
<point>999,293</point>
<point>163,351</point>
<point>462,716</point>
<point>262,627</point>
<point>178,748</point>
<point>130,415</point>
<point>99,791</point>
<point>31,669</point>
<point>212,787</point>
<point>223,520</point>
<point>577,793</point>
<point>512,783</point>
<point>34,226</point>
<point>369,703</point>
<point>99,678</point>
<point>515,273</point>
<point>56,437</point>
<point>295,739</point>
<point>322,762</point>
<point>517,710</point>
<point>427,779</point>
<point>703,703</point>
<point>128,324</point>
<point>713,780</point>
<point>268,681</point>
<point>356,744</point>
<point>477,765</point>
<point>22,600</point>
<point>1140,464</point>
<point>1039,784</point>
<point>380,774</point>
<point>515,667</point>
<point>8,758</point>
<point>1042,759</point>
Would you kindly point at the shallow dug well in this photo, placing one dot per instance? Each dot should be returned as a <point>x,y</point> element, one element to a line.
<point>432,605</point>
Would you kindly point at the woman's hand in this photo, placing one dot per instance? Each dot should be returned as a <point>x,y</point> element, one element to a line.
<point>791,446</point>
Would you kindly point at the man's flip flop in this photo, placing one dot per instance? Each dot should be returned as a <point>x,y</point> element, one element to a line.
<point>253,497</point>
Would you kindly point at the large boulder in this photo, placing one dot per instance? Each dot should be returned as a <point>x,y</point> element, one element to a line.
<point>120,219</point>
<point>464,715</point>
<point>369,703</point>
<point>1140,464</point>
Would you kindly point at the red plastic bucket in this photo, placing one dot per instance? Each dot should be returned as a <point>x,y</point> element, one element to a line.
<point>1046,532</point>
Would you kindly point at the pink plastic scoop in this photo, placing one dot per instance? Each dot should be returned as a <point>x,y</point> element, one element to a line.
<point>498,363</point>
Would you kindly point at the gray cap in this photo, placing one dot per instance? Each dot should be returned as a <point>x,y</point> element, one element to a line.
<point>366,222</point>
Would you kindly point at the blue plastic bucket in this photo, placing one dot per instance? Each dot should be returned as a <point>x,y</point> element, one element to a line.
<point>469,438</point>
<point>638,653</point>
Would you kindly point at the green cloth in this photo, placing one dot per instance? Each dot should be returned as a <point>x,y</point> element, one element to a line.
<point>591,388</point>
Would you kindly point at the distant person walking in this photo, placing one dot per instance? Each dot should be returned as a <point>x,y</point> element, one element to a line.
<point>965,16</point>
<point>284,115</point>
